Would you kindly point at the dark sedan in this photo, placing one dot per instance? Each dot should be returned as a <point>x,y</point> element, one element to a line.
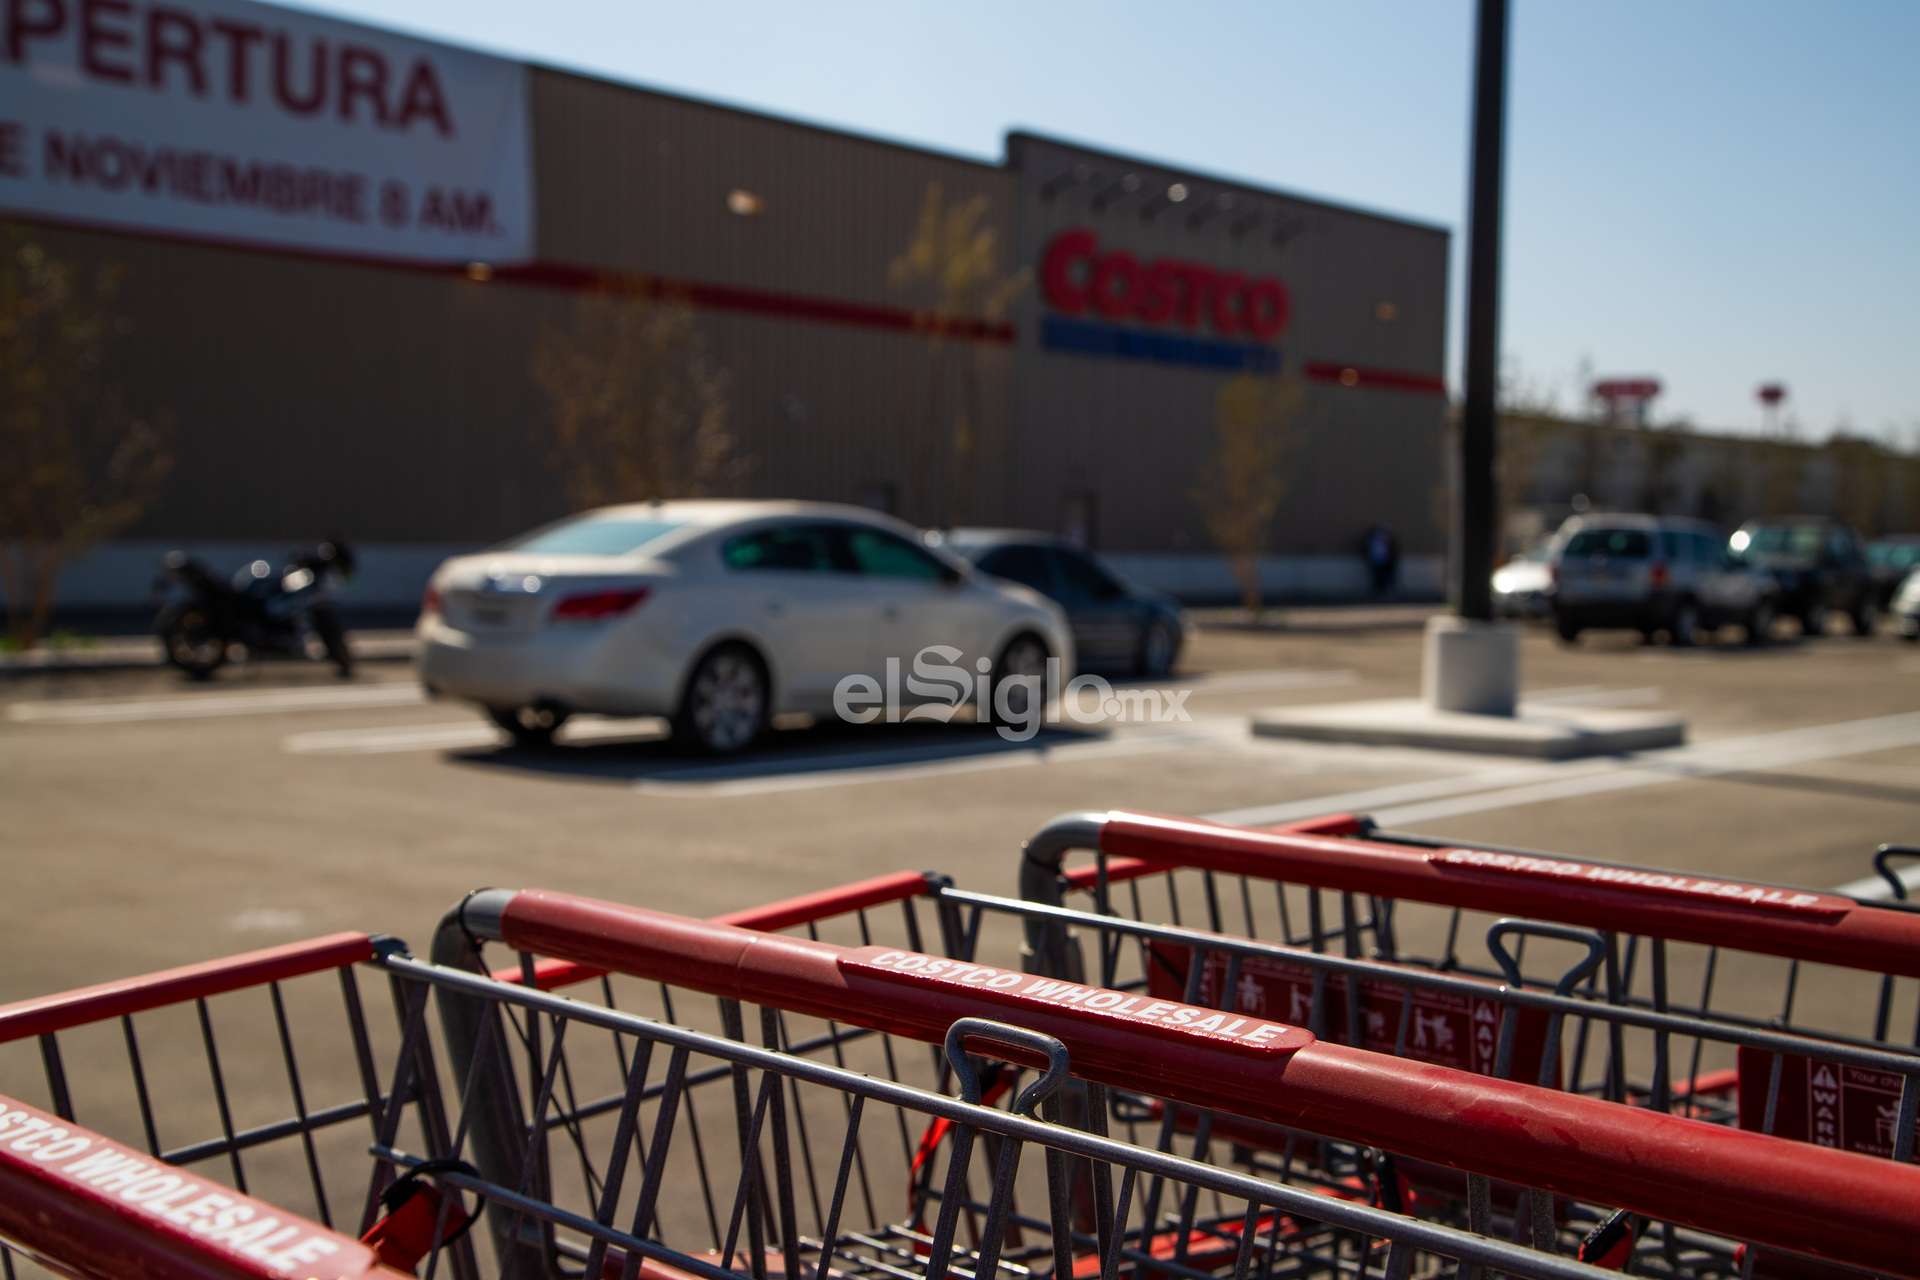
<point>1116,626</point>
<point>1821,567</point>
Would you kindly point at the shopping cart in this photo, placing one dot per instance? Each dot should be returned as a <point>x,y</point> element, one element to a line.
<point>195,1068</point>
<point>1699,1177</point>
<point>566,1146</point>
<point>1837,1079</point>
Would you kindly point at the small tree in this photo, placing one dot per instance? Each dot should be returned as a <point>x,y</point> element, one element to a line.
<point>952,259</point>
<point>76,465</point>
<point>637,407</point>
<point>1256,425</point>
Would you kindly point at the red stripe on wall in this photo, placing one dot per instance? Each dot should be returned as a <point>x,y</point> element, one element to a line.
<point>553,275</point>
<point>761,302</point>
<point>1348,375</point>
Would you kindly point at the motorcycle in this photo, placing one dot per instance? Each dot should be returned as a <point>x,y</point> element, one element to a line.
<point>257,611</point>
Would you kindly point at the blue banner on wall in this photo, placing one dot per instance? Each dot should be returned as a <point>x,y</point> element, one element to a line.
<point>1085,338</point>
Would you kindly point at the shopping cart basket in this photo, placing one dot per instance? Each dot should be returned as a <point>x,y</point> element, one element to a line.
<point>88,1206</point>
<point>1717,1185</point>
<point>1858,952</point>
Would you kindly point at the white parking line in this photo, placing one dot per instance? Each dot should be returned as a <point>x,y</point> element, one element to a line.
<point>194,706</point>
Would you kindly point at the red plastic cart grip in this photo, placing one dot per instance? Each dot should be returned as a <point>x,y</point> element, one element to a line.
<point>1792,1196</point>
<point>1802,925</point>
<point>550,974</point>
<point>92,1208</point>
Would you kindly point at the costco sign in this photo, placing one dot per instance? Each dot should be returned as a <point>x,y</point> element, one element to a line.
<point>1078,277</point>
<point>227,120</point>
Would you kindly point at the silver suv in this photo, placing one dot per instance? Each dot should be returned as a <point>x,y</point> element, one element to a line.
<point>1654,574</point>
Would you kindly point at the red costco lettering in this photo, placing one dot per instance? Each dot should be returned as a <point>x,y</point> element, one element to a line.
<point>171,49</point>
<point>1076,276</point>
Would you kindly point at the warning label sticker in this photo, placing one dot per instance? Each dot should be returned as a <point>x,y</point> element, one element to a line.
<point>1146,1012</point>
<point>1825,1103</point>
<point>1443,1028</point>
<point>1696,888</point>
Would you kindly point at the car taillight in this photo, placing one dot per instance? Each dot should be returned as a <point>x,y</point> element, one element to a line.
<point>595,605</point>
<point>1553,573</point>
<point>1658,575</point>
<point>430,603</point>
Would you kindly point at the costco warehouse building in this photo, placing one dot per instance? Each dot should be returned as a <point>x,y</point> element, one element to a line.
<point>344,244</point>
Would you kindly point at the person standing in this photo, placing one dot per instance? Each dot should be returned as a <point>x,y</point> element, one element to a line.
<point>1383,557</point>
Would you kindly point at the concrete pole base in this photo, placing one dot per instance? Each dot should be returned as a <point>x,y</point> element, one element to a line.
<point>1471,667</point>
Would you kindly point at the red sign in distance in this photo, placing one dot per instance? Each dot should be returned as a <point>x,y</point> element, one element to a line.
<point>1627,388</point>
<point>1772,393</point>
<point>1077,277</point>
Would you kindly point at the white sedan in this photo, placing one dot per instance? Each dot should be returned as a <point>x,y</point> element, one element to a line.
<point>720,615</point>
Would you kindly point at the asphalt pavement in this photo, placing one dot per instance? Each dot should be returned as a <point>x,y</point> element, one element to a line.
<point>151,821</point>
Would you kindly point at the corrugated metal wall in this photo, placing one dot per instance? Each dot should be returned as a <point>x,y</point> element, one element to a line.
<point>390,405</point>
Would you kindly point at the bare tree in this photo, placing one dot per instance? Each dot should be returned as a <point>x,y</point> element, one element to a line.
<point>1256,425</point>
<point>637,407</point>
<point>76,465</point>
<point>952,259</point>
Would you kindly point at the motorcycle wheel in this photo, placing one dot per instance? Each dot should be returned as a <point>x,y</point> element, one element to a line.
<point>192,642</point>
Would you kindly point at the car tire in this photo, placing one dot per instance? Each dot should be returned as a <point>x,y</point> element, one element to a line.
<point>1866,618</point>
<point>192,642</point>
<point>1814,621</point>
<point>1684,631</point>
<point>1159,649</point>
<point>1024,655</point>
<point>1568,629</point>
<point>1759,623</point>
<point>531,726</point>
<point>725,705</point>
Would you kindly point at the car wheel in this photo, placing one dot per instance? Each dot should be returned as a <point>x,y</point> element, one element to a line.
<point>1814,621</point>
<point>1025,655</point>
<point>1159,646</point>
<point>1684,631</point>
<point>1760,623</point>
<point>192,642</point>
<point>1866,619</point>
<point>532,726</point>
<point>725,706</point>
<point>1569,629</point>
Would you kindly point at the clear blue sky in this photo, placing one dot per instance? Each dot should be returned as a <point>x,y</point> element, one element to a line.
<point>1717,192</point>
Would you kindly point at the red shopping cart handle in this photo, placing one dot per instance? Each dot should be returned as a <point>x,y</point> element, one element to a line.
<point>95,1209</point>
<point>1804,925</point>
<point>1750,1186</point>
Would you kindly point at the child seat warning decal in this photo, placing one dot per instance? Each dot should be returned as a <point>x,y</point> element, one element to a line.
<point>1013,990</point>
<point>263,1241</point>
<point>1444,1028</point>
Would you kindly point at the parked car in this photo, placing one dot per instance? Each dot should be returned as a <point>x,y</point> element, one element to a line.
<point>1523,586</point>
<point>718,615</point>
<point>1890,560</point>
<point>1906,607</point>
<point>1821,568</point>
<point>1117,626</point>
<point>1656,574</point>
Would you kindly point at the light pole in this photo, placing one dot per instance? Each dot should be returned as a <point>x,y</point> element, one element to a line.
<point>1479,427</point>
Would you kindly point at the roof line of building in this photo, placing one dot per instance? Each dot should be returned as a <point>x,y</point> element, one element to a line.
<point>1242,184</point>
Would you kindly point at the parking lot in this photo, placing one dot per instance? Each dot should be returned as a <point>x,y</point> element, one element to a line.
<point>151,822</point>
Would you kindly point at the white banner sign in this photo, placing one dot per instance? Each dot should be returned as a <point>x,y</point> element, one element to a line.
<point>228,120</point>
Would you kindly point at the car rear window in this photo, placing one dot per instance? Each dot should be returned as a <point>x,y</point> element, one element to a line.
<point>1784,540</point>
<point>1629,543</point>
<point>1024,565</point>
<point>594,536</point>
